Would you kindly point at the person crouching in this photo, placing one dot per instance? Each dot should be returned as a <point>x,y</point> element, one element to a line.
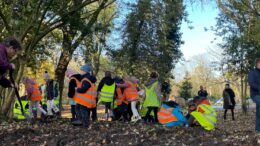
<point>204,114</point>
<point>170,114</point>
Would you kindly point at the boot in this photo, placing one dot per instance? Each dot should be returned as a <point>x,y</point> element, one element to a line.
<point>225,117</point>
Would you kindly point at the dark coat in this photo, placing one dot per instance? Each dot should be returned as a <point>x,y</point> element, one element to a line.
<point>73,85</point>
<point>86,85</point>
<point>254,82</point>
<point>106,80</point>
<point>4,67</point>
<point>229,99</point>
<point>203,93</point>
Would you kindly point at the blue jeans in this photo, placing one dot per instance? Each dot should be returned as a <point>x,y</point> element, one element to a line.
<point>256,99</point>
<point>84,115</point>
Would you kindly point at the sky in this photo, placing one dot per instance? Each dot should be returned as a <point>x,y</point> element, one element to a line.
<point>197,40</point>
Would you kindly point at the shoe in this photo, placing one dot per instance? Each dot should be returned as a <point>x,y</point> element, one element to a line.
<point>77,123</point>
<point>135,119</point>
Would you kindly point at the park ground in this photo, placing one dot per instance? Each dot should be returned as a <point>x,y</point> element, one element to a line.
<point>61,132</point>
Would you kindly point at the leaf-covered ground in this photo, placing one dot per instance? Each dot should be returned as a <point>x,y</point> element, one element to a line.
<point>239,132</point>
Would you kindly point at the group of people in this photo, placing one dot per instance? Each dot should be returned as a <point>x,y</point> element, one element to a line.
<point>120,96</point>
<point>44,99</point>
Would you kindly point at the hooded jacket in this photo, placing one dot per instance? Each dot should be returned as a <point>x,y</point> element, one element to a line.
<point>86,85</point>
<point>106,80</point>
<point>73,84</point>
<point>4,67</point>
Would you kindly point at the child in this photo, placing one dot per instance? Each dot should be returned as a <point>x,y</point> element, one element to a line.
<point>85,96</point>
<point>153,96</point>
<point>73,83</point>
<point>121,103</point>
<point>51,94</point>
<point>34,95</point>
<point>106,92</point>
<point>204,114</point>
<point>131,93</point>
<point>170,114</point>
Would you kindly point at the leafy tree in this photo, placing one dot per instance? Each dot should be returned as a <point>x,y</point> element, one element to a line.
<point>151,38</point>
<point>238,25</point>
<point>186,88</point>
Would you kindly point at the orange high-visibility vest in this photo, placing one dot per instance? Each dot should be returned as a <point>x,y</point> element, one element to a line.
<point>165,115</point>
<point>131,92</point>
<point>206,102</point>
<point>87,99</point>
<point>120,97</point>
<point>36,93</point>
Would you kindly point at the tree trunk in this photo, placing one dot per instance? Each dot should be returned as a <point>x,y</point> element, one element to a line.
<point>63,63</point>
<point>243,97</point>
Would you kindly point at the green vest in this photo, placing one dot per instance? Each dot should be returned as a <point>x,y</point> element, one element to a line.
<point>208,119</point>
<point>107,93</point>
<point>143,112</point>
<point>151,98</point>
<point>17,109</point>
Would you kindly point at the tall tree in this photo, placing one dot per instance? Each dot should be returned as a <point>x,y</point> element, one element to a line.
<point>30,21</point>
<point>186,88</point>
<point>76,30</point>
<point>238,25</point>
<point>151,38</point>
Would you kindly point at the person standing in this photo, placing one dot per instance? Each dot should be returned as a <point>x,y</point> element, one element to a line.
<point>85,96</point>
<point>51,94</point>
<point>34,96</point>
<point>254,83</point>
<point>153,96</point>
<point>8,49</point>
<point>120,103</point>
<point>202,92</point>
<point>131,94</point>
<point>229,101</point>
<point>106,92</point>
<point>75,79</point>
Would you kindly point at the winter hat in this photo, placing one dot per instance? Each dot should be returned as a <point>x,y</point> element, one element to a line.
<point>86,68</point>
<point>70,72</point>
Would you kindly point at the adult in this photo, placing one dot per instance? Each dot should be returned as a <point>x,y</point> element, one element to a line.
<point>8,49</point>
<point>202,92</point>
<point>254,83</point>
<point>229,101</point>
